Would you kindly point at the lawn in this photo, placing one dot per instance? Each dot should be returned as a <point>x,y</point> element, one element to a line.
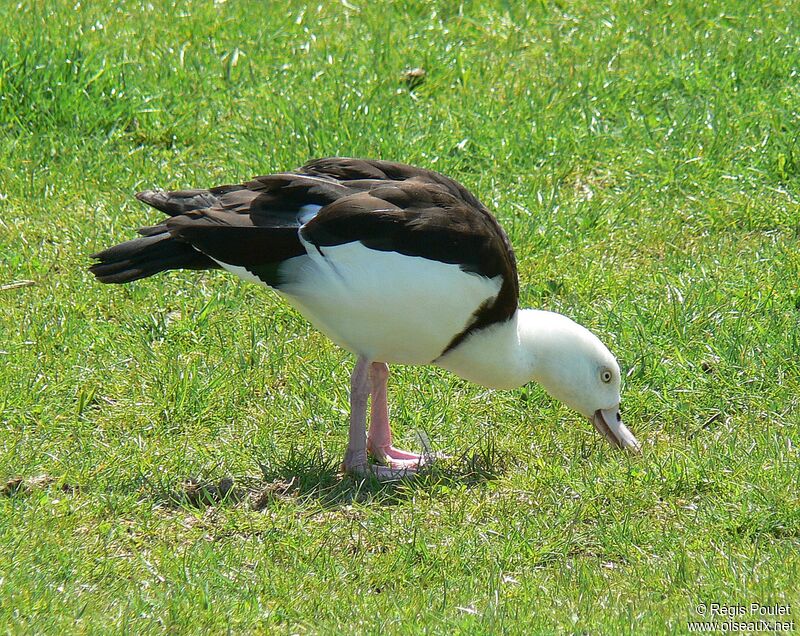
<point>169,449</point>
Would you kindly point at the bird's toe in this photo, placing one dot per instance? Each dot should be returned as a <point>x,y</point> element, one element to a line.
<point>382,473</point>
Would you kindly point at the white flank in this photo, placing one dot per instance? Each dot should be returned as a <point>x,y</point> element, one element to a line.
<point>384,305</point>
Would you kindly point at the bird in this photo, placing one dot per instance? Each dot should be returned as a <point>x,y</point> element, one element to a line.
<point>398,265</point>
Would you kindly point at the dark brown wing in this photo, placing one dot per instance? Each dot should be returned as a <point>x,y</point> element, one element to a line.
<point>423,216</point>
<point>450,209</point>
<point>346,170</point>
<point>255,224</point>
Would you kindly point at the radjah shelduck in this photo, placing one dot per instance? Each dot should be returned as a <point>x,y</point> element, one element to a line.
<point>396,264</point>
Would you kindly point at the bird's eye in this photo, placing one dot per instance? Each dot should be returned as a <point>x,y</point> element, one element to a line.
<point>606,375</point>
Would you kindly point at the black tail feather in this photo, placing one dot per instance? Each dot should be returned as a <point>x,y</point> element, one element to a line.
<point>143,257</point>
<point>182,201</point>
<point>152,230</point>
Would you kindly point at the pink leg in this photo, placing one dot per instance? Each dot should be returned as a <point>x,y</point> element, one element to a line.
<point>379,440</point>
<point>355,458</point>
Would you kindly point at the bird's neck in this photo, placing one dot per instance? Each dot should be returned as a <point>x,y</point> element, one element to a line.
<point>502,356</point>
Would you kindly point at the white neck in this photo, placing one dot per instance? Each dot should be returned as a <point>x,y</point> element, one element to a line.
<point>502,356</point>
<point>558,353</point>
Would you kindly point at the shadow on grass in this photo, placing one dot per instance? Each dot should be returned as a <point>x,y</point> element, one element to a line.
<point>314,476</point>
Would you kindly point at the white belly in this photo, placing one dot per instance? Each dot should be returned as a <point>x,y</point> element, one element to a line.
<point>383,305</point>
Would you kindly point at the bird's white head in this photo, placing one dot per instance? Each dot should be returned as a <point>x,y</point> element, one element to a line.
<point>573,366</point>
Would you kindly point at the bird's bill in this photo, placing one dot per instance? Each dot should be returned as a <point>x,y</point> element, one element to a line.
<point>610,426</point>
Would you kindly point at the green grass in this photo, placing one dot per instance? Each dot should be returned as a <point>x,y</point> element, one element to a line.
<point>644,159</point>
